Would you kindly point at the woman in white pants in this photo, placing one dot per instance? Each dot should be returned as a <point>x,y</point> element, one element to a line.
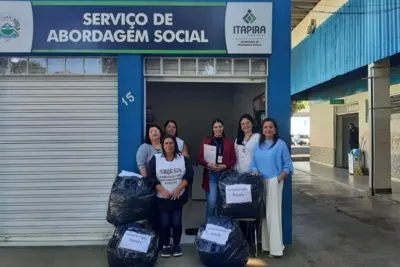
<point>271,160</point>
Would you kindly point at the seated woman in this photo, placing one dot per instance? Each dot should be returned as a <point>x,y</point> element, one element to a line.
<point>170,174</point>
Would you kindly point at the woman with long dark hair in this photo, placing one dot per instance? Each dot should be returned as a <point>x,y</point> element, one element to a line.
<point>225,158</point>
<point>272,161</point>
<point>170,174</point>
<point>245,143</point>
<point>171,128</point>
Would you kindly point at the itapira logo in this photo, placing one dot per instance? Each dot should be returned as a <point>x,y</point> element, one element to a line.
<point>9,28</point>
<point>249,18</point>
<point>249,28</point>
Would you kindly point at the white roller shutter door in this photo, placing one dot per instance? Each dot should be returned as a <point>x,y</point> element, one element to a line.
<point>58,158</point>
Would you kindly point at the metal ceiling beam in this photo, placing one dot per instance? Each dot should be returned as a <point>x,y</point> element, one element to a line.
<point>297,13</point>
<point>305,1</point>
<point>297,17</point>
<point>303,5</point>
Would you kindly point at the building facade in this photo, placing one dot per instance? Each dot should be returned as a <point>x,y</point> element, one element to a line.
<point>347,68</point>
<point>79,80</point>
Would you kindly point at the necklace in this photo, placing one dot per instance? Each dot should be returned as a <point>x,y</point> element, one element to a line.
<point>155,147</point>
<point>244,139</point>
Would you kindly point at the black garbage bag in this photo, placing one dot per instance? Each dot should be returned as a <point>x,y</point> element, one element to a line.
<point>131,199</point>
<point>131,246</point>
<point>220,242</point>
<point>241,196</point>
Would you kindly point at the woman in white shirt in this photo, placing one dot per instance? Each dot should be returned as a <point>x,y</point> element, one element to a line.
<point>170,173</point>
<point>171,128</point>
<point>245,143</point>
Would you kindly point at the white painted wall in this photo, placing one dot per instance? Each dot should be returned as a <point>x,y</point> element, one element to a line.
<point>323,128</point>
<point>243,99</point>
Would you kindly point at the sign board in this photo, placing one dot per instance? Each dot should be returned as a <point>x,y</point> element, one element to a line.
<point>238,193</point>
<point>135,27</point>
<point>336,101</point>
<point>135,241</point>
<point>216,234</point>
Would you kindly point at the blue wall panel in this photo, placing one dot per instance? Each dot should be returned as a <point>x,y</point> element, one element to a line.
<point>278,100</point>
<point>359,33</point>
<point>130,114</point>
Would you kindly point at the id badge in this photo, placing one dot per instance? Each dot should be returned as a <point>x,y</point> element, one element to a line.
<point>219,160</point>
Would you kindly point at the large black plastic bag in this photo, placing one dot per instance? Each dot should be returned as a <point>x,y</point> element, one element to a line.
<point>213,251</point>
<point>246,210</point>
<point>131,199</point>
<point>129,257</point>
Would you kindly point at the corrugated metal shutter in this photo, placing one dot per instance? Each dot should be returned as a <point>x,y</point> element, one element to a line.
<point>58,157</point>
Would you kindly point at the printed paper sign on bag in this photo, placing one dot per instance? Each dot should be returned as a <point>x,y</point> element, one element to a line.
<point>216,234</point>
<point>135,241</point>
<point>238,193</point>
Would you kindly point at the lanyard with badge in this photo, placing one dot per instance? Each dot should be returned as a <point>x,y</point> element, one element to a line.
<point>219,147</point>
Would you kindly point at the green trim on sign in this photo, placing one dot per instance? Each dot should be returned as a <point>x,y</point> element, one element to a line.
<point>123,3</point>
<point>133,51</point>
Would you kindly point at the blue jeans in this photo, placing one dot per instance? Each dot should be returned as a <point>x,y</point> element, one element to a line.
<point>212,195</point>
<point>171,219</point>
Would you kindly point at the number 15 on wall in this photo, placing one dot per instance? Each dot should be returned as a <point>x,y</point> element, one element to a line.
<point>129,98</point>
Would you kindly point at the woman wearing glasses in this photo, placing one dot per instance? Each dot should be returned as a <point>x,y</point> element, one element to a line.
<point>146,151</point>
<point>150,147</point>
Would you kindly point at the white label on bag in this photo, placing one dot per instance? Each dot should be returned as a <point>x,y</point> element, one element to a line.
<point>135,241</point>
<point>216,234</point>
<point>238,193</point>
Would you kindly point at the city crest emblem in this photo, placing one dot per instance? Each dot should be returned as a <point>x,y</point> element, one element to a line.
<point>9,28</point>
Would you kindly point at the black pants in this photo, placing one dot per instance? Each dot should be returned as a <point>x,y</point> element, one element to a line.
<point>248,232</point>
<point>171,219</point>
<point>154,221</point>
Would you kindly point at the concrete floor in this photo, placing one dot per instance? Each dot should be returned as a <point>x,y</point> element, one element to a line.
<point>342,177</point>
<point>97,257</point>
<point>333,225</point>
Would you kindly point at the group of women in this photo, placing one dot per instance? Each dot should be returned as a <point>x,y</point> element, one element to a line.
<point>164,160</point>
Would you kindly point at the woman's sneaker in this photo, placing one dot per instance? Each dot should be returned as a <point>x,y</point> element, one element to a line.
<point>166,252</point>
<point>177,251</point>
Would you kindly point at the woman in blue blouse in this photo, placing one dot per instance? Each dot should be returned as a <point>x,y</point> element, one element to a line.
<point>272,161</point>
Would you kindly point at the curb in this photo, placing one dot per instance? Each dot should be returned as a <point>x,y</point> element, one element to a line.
<point>346,186</point>
<point>296,159</point>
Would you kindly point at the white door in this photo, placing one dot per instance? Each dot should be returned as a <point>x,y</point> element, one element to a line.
<point>58,159</point>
